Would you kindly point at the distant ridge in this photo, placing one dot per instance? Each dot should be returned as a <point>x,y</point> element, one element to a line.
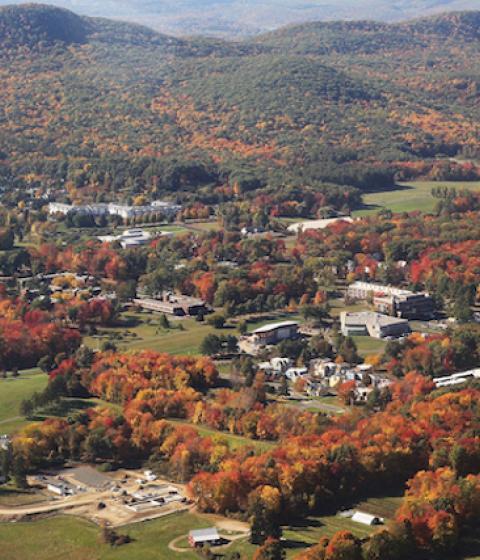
<point>369,36</point>
<point>30,24</point>
<point>242,18</point>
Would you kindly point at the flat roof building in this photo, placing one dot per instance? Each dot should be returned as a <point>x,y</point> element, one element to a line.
<point>394,301</point>
<point>172,304</point>
<point>369,323</point>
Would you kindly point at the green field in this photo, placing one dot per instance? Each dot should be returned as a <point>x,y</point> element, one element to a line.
<point>12,392</point>
<point>76,539</point>
<point>145,336</point>
<point>62,537</point>
<point>415,195</point>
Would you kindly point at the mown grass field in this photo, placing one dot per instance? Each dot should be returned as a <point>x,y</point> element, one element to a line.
<point>408,197</point>
<point>12,392</point>
<point>63,537</point>
<point>76,539</point>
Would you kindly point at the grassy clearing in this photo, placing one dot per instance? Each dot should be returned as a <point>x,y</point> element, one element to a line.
<point>12,496</point>
<point>302,536</point>
<point>314,528</point>
<point>12,392</point>
<point>76,539</point>
<point>204,226</point>
<point>147,335</point>
<point>367,345</point>
<point>409,197</point>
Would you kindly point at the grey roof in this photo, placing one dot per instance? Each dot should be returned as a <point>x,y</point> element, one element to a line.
<point>275,326</point>
<point>204,535</point>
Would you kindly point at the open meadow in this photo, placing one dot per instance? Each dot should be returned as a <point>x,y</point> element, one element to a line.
<point>408,197</point>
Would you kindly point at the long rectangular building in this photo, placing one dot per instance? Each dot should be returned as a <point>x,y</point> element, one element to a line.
<point>394,301</point>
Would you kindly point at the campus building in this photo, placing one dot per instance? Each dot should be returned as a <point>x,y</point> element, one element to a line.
<point>394,301</point>
<point>275,333</point>
<point>166,209</point>
<point>173,304</point>
<point>376,325</point>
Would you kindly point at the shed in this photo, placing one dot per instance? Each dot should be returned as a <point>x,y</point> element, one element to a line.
<point>367,518</point>
<point>204,537</point>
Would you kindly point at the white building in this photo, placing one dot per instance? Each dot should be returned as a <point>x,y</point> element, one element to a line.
<point>318,224</point>
<point>60,488</point>
<point>129,238</point>
<point>457,378</point>
<point>204,537</point>
<point>167,209</point>
<point>296,373</point>
<point>275,333</point>
<point>367,519</point>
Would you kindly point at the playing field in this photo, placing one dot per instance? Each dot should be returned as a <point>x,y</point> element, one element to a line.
<point>408,197</point>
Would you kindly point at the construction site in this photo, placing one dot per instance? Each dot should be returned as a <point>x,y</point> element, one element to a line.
<point>111,499</point>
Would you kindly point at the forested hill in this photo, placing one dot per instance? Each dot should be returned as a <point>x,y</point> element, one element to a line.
<point>32,24</point>
<point>371,36</point>
<point>103,105</point>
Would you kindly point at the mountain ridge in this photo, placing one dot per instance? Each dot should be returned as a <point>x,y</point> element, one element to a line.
<point>326,102</point>
<point>50,24</point>
<point>240,18</point>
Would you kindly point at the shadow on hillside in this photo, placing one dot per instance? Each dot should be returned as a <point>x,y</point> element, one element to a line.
<point>394,188</point>
<point>64,407</point>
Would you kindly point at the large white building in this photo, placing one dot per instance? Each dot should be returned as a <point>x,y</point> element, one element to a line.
<point>394,301</point>
<point>167,209</point>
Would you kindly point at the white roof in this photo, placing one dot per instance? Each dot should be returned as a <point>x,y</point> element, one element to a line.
<point>203,535</point>
<point>380,288</point>
<point>365,518</point>
<point>317,224</point>
<point>275,326</point>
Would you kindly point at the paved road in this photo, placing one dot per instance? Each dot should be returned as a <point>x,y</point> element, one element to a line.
<point>53,506</point>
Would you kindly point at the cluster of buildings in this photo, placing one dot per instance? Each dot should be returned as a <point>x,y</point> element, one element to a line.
<point>370,323</point>
<point>457,378</point>
<point>173,304</point>
<point>128,238</point>
<point>62,286</point>
<point>153,496</point>
<point>322,376</point>
<point>166,209</point>
<point>393,301</point>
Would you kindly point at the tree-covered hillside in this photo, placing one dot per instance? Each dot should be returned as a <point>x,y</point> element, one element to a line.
<point>105,106</point>
<point>236,18</point>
